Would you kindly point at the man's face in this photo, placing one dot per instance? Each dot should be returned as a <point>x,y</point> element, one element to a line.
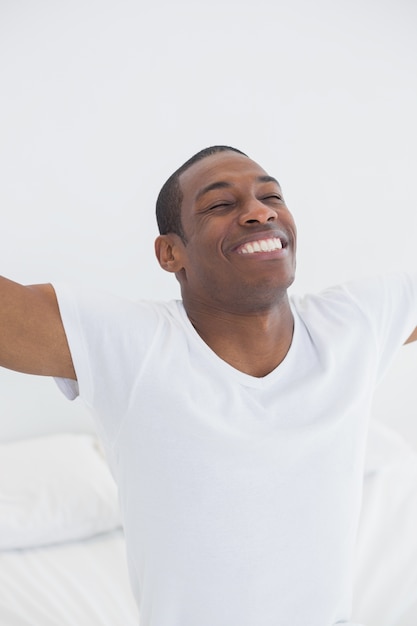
<point>241,237</point>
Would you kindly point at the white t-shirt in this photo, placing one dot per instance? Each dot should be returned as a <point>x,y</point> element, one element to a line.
<point>240,495</point>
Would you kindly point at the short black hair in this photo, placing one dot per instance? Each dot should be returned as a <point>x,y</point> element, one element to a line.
<point>169,201</point>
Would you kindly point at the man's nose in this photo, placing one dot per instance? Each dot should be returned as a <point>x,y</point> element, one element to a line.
<point>257,212</point>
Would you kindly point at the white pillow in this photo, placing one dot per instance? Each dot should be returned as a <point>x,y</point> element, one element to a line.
<point>54,489</point>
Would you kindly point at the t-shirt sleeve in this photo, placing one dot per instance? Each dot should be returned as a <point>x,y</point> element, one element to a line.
<point>372,317</point>
<point>389,303</point>
<point>108,339</point>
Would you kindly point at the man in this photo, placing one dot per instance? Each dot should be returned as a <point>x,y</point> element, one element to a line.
<point>235,420</point>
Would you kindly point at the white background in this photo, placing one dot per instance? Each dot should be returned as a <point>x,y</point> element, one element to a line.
<point>102,99</point>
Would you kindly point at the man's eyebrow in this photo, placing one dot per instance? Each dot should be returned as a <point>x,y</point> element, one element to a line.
<point>220,184</point>
<point>268,179</point>
<point>223,184</point>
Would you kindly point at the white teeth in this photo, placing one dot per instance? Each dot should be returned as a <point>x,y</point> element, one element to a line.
<point>263,245</point>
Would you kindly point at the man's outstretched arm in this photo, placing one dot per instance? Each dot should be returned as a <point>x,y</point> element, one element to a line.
<point>32,337</point>
<point>412,337</point>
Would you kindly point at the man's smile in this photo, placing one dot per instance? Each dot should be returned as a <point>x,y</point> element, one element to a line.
<point>261,245</point>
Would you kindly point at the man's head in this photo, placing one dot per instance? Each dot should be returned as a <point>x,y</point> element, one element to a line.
<point>231,242</point>
<point>169,201</point>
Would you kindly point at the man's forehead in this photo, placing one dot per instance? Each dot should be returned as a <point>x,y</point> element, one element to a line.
<point>218,170</point>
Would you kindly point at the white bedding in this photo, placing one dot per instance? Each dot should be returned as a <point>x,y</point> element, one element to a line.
<point>386,554</point>
<point>81,583</point>
<point>62,553</point>
<point>82,580</point>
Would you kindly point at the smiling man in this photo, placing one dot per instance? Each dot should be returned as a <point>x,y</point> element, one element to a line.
<point>235,419</point>
<point>234,257</point>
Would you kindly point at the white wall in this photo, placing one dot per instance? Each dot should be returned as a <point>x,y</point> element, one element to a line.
<point>102,99</point>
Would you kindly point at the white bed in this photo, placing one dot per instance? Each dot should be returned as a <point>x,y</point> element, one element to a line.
<point>62,559</point>
<point>386,551</point>
<point>62,552</point>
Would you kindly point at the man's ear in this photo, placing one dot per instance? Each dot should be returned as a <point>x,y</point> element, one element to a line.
<point>169,252</point>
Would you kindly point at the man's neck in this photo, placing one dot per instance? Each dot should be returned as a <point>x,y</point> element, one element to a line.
<point>254,343</point>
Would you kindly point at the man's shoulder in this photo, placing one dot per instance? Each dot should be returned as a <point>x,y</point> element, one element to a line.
<point>363,289</point>
<point>375,301</point>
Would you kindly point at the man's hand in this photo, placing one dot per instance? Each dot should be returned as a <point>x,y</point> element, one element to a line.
<point>32,337</point>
